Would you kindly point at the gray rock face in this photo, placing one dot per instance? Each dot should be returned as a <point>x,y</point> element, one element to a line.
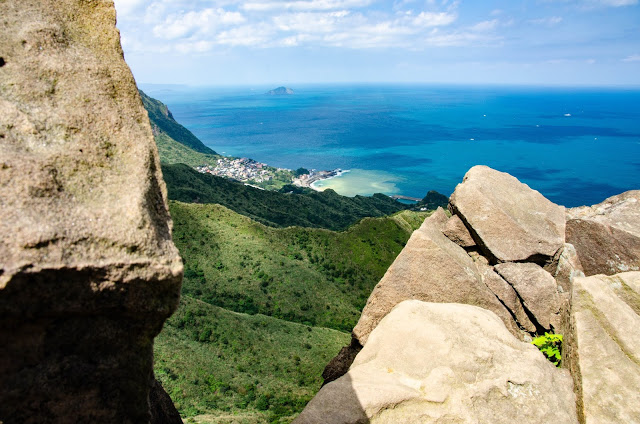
<point>511,221</point>
<point>430,268</point>
<point>436,363</point>
<point>605,347</point>
<point>88,271</point>
<point>607,235</point>
<point>537,289</point>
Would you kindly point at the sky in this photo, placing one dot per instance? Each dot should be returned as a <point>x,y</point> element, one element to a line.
<point>288,42</point>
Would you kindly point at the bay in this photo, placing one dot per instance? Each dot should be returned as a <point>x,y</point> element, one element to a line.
<point>575,145</point>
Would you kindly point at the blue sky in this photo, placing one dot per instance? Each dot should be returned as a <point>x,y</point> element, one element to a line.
<point>288,42</point>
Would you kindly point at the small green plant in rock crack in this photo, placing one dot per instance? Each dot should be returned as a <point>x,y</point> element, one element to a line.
<point>550,345</point>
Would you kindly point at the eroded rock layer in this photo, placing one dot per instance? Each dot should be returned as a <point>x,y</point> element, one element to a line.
<point>605,347</point>
<point>88,271</point>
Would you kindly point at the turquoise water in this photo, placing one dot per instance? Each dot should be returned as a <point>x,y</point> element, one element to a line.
<point>576,146</point>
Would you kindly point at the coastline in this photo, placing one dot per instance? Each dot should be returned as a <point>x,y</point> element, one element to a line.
<point>337,174</point>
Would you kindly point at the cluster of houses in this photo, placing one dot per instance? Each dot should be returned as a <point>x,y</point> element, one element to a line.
<point>241,169</point>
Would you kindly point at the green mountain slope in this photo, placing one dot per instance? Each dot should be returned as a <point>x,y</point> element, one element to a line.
<point>261,309</point>
<point>306,275</point>
<point>255,368</point>
<point>325,209</point>
<point>162,122</point>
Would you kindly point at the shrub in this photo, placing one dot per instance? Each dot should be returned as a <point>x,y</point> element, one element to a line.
<point>550,345</point>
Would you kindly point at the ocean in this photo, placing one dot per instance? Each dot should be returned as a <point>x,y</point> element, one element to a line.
<point>576,146</point>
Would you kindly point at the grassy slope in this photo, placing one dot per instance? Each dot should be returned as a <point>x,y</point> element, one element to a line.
<point>312,209</point>
<point>305,275</point>
<point>254,368</point>
<point>173,152</point>
<point>162,121</point>
<point>251,367</point>
<point>224,366</point>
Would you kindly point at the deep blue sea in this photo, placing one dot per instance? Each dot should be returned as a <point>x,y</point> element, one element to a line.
<point>576,146</point>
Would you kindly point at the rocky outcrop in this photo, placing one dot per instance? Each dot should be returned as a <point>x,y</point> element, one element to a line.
<point>88,271</point>
<point>430,268</point>
<point>503,246</point>
<point>432,363</point>
<point>510,221</point>
<point>607,235</point>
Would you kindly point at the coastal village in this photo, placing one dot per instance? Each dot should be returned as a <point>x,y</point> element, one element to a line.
<point>252,172</point>
<point>241,169</point>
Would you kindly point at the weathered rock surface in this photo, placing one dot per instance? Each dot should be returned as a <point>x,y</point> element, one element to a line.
<point>436,363</point>
<point>566,266</point>
<point>605,347</point>
<point>607,235</point>
<point>88,269</point>
<point>508,296</point>
<point>458,233</point>
<point>537,289</point>
<point>509,220</point>
<point>621,211</point>
<point>430,268</point>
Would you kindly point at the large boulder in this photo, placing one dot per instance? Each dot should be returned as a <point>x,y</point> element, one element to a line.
<point>603,348</point>
<point>537,289</point>
<point>88,271</point>
<point>430,268</point>
<point>436,363</point>
<point>510,221</point>
<point>607,235</point>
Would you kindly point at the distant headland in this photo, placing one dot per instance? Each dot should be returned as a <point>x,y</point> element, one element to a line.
<point>280,91</point>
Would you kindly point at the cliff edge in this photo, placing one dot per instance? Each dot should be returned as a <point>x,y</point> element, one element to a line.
<point>88,270</point>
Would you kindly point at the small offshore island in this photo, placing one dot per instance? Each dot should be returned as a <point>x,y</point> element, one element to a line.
<point>281,91</point>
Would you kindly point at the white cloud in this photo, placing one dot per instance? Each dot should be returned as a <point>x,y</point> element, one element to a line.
<point>305,22</point>
<point>198,26</point>
<point>485,25</point>
<point>247,35</point>
<point>264,6</point>
<point>550,20</point>
<point>127,7</point>
<point>186,24</point>
<point>615,3</point>
<point>431,19</point>
<point>632,58</point>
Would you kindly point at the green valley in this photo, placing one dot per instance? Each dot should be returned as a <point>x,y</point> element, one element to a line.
<point>274,282</point>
